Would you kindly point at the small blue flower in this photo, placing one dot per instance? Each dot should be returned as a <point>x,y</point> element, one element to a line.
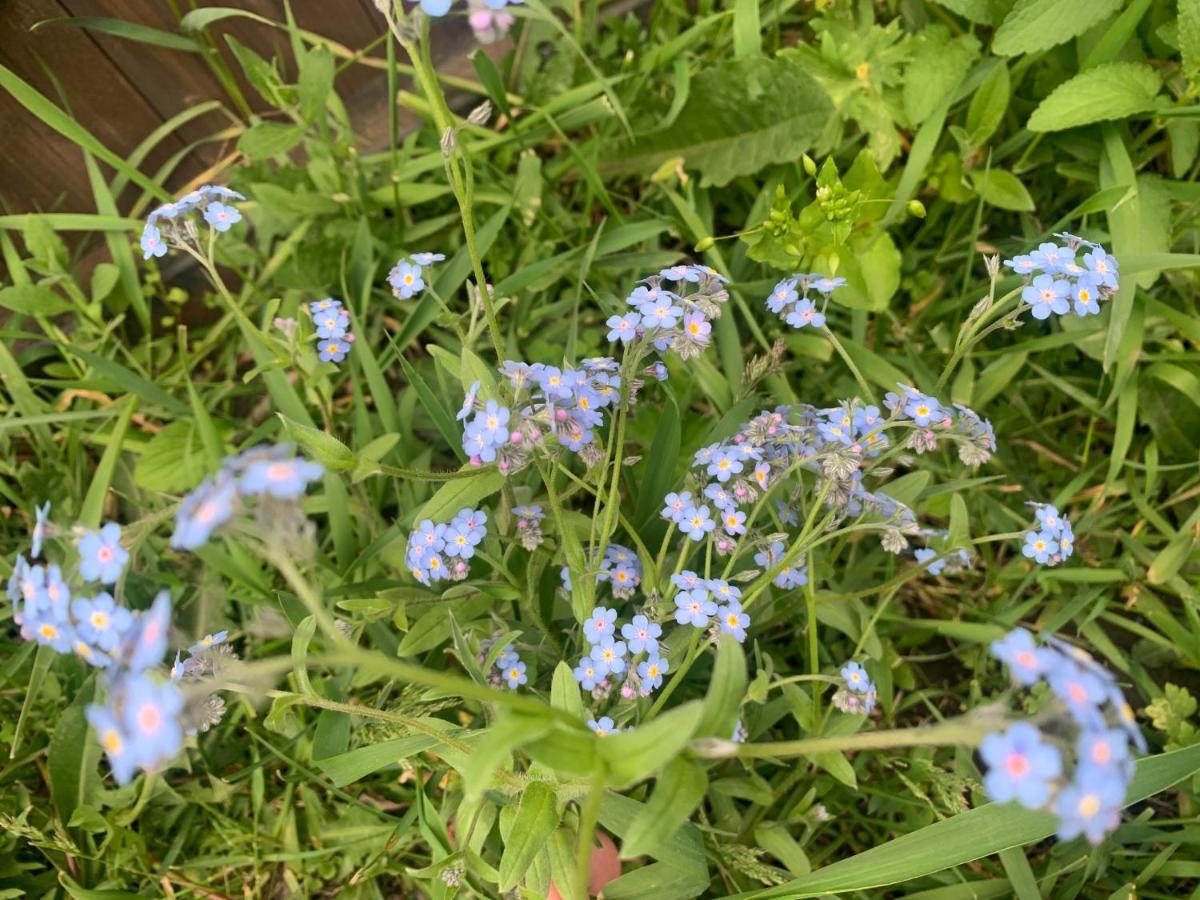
<point>1105,748</point>
<point>601,624</point>
<point>1027,662</point>
<point>1040,546</point>
<point>1047,295</point>
<point>782,294</point>
<point>660,313</point>
<point>652,671</point>
<point>856,677</point>
<point>145,641</point>
<point>675,505</point>
<point>733,621</point>
<point>514,673</point>
<point>427,259</point>
<point>720,497</point>
<point>208,642</point>
<point>1103,266</point>
<point>642,635</point>
<point>332,350</point>
<point>923,556</point>
<point>790,577</point>
<point>468,406</point>
<point>804,313</point>
<point>733,521</point>
<point>101,556</point>
<point>696,328</point>
<point>1091,806</point>
<point>152,242</point>
<point>588,673</point>
<point>1084,294</point>
<point>41,522</point>
<point>320,306</point>
<point>405,279</point>
<point>725,463</point>
<point>623,328</point>
<point>828,285</point>
<point>693,607</point>
<point>332,324</point>
<point>220,216</point>
<point>101,621</point>
<point>602,726</point>
<point>112,738</point>
<point>696,522</point>
<point>1050,258</point>
<point>284,479</point>
<point>1082,692</point>
<point>609,655</point>
<point>1020,766</point>
<point>150,717</point>
<point>922,409</point>
<point>203,511</point>
<point>1050,518</point>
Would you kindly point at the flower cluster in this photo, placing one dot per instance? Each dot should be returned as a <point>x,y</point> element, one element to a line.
<point>171,224</point>
<point>441,552</point>
<point>858,694</point>
<point>511,669</point>
<point>529,526</point>
<point>1060,283</point>
<point>701,599</point>
<point>267,471</point>
<point>405,277</point>
<point>139,725</point>
<point>1052,539</point>
<point>677,318</point>
<point>974,435</point>
<point>621,568</point>
<point>609,656</point>
<point>332,323</point>
<point>789,299</point>
<point>1088,724</point>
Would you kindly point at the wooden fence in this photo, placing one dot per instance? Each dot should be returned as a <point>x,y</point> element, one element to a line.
<point>121,90</point>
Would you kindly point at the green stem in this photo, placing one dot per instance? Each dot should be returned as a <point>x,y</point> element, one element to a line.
<point>588,814</point>
<point>841,351</point>
<point>961,732</point>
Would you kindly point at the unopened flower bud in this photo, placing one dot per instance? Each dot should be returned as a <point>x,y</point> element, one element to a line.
<point>480,114</point>
<point>705,244</point>
<point>809,166</point>
<point>448,142</point>
<point>916,208</point>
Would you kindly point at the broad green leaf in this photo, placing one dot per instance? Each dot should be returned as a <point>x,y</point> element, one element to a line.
<point>537,817</point>
<point>429,631</point>
<point>564,691</point>
<point>267,139</point>
<point>360,762</point>
<point>1001,189</point>
<point>679,789</point>
<point>496,745</point>
<point>937,70</point>
<point>1111,91</point>
<point>726,688</point>
<point>660,880</point>
<point>34,300</point>
<point>747,29</point>
<point>460,493</point>
<point>740,117</point>
<point>1189,40</point>
<point>977,11</point>
<point>1035,25</point>
<point>174,460</point>
<point>775,839</point>
<point>316,81</point>
<point>72,757</point>
<point>640,752</point>
<point>966,837</point>
<point>92,508</point>
<point>988,105</point>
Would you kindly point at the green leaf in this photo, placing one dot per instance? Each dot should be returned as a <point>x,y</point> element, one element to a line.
<point>173,461</point>
<point>966,837</point>
<point>324,448</point>
<point>637,754</point>
<point>356,764</point>
<point>679,790</point>
<point>1189,40</point>
<point>564,691</point>
<point>33,300</point>
<point>726,688</point>
<point>775,839</point>
<point>429,631</point>
<point>1111,91</point>
<point>92,507</point>
<point>747,29</point>
<point>267,139</point>
<point>72,757</point>
<point>462,492</point>
<point>1002,190</point>
<point>130,31</point>
<point>316,81</point>
<point>1034,25</point>
<point>659,474</point>
<point>740,117</point>
<point>536,820</point>
<point>937,70</point>
<point>492,80</point>
<point>988,105</point>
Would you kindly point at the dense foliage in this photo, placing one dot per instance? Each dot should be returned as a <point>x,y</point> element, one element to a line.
<point>716,451</point>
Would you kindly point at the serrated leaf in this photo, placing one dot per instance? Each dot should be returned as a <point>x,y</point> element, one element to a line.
<point>1034,25</point>
<point>1111,91</point>
<point>1002,190</point>
<point>977,11</point>
<point>740,117</point>
<point>536,820</point>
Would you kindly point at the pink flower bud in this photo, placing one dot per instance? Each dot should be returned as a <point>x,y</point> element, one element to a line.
<point>476,461</point>
<point>560,415</point>
<point>516,437</point>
